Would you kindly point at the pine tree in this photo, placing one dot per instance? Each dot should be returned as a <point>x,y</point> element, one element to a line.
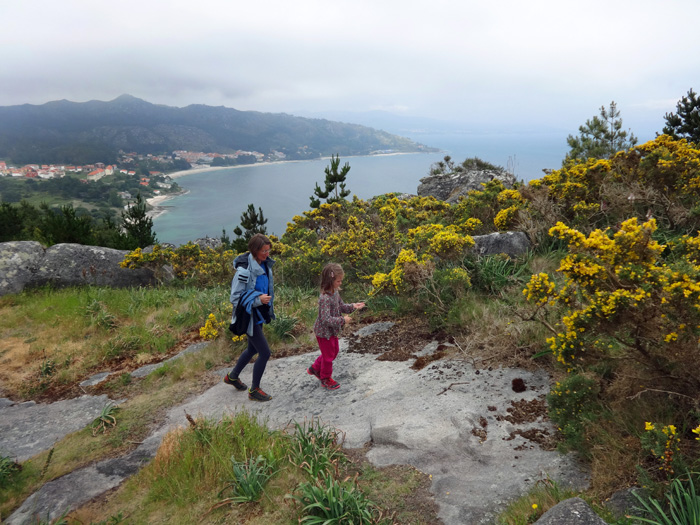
<point>685,123</point>
<point>138,225</point>
<point>601,137</point>
<point>252,222</point>
<point>64,225</point>
<point>335,190</point>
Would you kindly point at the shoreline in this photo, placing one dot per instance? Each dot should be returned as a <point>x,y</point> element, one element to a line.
<point>156,204</point>
<point>192,171</point>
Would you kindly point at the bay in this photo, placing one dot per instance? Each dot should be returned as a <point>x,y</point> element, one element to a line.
<point>216,199</point>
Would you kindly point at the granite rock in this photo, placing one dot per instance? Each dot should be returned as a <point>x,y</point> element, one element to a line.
<point>450,187</point>
<point>26,264</point>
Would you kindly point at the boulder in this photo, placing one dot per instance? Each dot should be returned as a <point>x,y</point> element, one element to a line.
<point>26,264</point>
<point>19,262</point>
<point>451,186</point>
<point>572,511</point>
<point>212,243</point>
<point>624,502</point>
<point>510,243</point>
<point>76,264</point>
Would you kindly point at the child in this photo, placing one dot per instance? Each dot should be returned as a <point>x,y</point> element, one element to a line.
<point>329,323</point>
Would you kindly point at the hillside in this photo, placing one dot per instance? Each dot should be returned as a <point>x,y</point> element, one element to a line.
<point>71,132</point>
<point>603,312</point>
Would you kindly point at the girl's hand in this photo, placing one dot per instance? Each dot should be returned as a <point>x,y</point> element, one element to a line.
<point>358,306</point>
<point>265,299</point>
<point>347,318</point>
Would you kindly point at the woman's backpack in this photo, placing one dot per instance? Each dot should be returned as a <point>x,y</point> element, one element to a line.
<point>239,326</point>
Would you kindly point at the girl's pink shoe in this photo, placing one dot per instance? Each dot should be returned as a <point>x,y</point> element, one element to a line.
<point>330,383</point>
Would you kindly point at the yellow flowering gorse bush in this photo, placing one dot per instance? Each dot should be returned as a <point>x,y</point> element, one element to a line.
<point>619,294</point>
<point>660,178</point>
<point>203,266</point>
<point>663,445</point>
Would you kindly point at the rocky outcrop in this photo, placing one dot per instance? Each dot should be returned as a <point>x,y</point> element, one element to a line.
<point>573,511</point>
<point>26,264</point>
<point>510,243</point>
<point>450,187</point>
<point>19,263</point>
<point>211,243</point>
<point>625,502</point>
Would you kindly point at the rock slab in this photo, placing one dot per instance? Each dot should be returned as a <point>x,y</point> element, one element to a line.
<point>29,428</point>
<point>26,264</point>
<point>448,420</point>
<point>573,511</point>
<point>445,420</point>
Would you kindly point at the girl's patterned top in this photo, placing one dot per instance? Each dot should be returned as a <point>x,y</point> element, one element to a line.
<point>330,315</point>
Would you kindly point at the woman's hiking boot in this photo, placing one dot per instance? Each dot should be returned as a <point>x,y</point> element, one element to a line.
<point>240,385</point>
<point>256,394</point>
<point>330,383</point>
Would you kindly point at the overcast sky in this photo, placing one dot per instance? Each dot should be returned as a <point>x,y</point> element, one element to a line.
<point>511,63</point>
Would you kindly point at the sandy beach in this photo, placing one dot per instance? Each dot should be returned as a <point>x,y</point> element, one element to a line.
<point>192,171</point>
<point>156,202</point>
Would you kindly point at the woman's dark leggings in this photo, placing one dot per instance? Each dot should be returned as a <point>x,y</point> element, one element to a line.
<point>256,345</point>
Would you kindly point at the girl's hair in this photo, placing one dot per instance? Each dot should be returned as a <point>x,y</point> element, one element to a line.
<point>256,243</point>
<point>329,274</point>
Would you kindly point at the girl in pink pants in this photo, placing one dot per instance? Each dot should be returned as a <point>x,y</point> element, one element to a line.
<point>329,323</point>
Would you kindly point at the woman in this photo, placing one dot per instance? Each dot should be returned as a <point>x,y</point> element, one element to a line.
<point>253,285</point>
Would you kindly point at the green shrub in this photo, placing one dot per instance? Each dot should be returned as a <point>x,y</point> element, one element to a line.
<point>284,325</point>
<point>573,403</point>
<point>330,502</point>
<point>316,448</point>
<point>8,469</point>
<point>681,505</point>
<point>249,479</point>
<point>494,273</point>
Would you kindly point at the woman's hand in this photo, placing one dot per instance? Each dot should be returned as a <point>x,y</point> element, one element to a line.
<point>265,299</point>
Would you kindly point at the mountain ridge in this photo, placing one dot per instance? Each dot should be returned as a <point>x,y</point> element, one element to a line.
<point>82,132</point>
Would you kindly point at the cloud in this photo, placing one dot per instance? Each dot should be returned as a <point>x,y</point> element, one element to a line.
<point>548,62</point>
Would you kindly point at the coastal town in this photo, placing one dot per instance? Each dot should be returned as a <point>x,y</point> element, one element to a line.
<point>128,163</point>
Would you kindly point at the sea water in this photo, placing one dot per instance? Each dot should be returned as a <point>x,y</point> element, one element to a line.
<point>216,199</point>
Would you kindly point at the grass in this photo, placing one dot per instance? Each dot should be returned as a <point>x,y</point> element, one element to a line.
<point>147,403</point>
<point>330,501</point>
<point>103,328</point>
<point>680,506</point>
<point>105,420</point>
<point>249,479</point>
<point>530,507</point>
<point>316,449</point>
<point>401,488</point>
<point>8,470</point>
<point>237,471</point>
<point>53,338</point>
<point>494,274</point>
